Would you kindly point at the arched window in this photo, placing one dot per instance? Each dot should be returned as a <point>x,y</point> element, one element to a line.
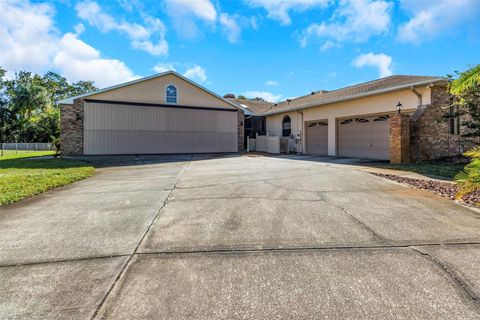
<point>171,94</point>
<point>286,126</point>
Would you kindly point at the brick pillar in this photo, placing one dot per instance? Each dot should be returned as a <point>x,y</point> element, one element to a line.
<point>399,138</point>
<point>71,128</point>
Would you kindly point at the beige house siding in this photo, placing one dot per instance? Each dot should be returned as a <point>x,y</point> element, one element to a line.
<point>378,104</point>
<point>125,129</point>
<point>153,91</point>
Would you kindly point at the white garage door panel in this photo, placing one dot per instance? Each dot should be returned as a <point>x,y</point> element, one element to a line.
<point>364,137</point>
<point>126,129</point>
<point>317,137</point>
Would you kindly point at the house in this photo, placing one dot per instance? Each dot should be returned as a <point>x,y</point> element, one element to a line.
<point>394,118</point>
<point>164,113</point>
<point>363,121</point>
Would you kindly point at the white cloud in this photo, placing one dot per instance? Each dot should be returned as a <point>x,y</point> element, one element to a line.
<point>79,61</point>
<point>230,27</point>
<point>163,67</point>
<point>79,28</point>
<point>279,9</point>
<point>268,96</point>
<point>353,20</point>
<point>28,36</point>
<point>202,9</point>
<point>196,73</point>
<point>31,42</point>
<point>380,61</point>
<point>431,18</point>
<point>140,36</point>
<point>271,83</point>
<point>184,14</point>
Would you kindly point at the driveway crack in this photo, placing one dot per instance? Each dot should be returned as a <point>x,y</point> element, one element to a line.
<point>460,282</point>
<point>359,222</point>
<point>125,265</point>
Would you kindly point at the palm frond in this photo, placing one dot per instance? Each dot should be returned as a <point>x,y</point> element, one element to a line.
<point>466,80</point>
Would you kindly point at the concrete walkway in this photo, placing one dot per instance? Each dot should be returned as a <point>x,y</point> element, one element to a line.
<point>238,237</point>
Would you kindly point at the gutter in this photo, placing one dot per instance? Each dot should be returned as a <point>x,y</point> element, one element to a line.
<point>352,97</point>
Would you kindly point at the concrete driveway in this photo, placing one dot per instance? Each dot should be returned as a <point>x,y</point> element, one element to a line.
<point>238,237</point>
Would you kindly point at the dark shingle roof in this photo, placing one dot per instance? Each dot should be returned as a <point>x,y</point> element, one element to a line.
<point>372,87</point>
<point>253,107</point>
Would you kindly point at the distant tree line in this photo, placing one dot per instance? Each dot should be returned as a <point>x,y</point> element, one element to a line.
<point>28,112</point>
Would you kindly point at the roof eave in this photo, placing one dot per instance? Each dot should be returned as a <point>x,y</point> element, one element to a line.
<point>70,100</point>
<point>357,96</point>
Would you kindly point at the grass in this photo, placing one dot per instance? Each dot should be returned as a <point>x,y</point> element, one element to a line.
<point>13,154</point>
<point>22,176</point>
<point>434,168</point>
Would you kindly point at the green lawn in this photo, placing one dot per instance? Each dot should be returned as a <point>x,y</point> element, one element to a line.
<point>440,169</point>
<point>21,175</point>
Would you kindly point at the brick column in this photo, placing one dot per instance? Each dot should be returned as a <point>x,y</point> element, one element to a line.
<point>399,138</point>
<point>71,128</point>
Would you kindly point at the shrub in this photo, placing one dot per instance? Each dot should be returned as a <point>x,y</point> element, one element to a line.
<point>469,178</point>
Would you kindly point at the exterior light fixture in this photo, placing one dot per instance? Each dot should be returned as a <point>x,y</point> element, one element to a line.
<point>399,107</point>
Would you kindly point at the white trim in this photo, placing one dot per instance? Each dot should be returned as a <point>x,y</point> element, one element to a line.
<point>71,99</point>
<point>352,97</point>
<point>176,92</point>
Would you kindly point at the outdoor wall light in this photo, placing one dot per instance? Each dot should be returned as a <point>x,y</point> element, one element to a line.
<point>399,107</point>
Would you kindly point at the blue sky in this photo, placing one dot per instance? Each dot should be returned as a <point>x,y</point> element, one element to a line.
<point>271,48</point>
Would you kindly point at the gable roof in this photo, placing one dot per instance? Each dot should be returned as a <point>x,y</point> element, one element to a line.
<point>70,100</point>
<point>253,107</point>
<point>383,85</point>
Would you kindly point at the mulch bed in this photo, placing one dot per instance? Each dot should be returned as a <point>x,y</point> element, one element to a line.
<point>444,189</point>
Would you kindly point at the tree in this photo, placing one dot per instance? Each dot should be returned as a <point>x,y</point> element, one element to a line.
<point>466,80</point>
<point>464,102</point>
<point>28,112</point>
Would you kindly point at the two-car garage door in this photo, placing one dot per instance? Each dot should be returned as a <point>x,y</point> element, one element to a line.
<point>359,137</point>
<point>121,128</point>
<point>364,137</point>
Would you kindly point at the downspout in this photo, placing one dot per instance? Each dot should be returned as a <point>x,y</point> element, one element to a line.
<point>301,131</point>
<point>418,94</point>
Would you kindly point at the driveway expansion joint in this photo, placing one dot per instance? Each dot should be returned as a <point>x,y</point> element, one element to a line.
<point>460,282</point>
<point>125,265</point>
<point>246,250</point>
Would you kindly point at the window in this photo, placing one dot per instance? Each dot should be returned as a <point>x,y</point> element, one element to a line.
<point>361,120</point>
<point>381,118</point>
<point>286,126</point>
<point>171,94</point>
<point>346,121</point>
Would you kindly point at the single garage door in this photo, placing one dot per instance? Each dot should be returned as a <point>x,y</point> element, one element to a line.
<point>116,128</point>
<point>317,137</point>
<point>364,137</point>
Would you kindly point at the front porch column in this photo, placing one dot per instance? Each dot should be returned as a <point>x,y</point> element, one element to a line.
<point>332,136</point>
<point>399,138</point>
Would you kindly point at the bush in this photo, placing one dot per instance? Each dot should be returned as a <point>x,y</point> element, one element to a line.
<point>469,178</point>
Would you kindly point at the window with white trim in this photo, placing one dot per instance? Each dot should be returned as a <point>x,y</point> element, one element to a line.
<point>171,94</point>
